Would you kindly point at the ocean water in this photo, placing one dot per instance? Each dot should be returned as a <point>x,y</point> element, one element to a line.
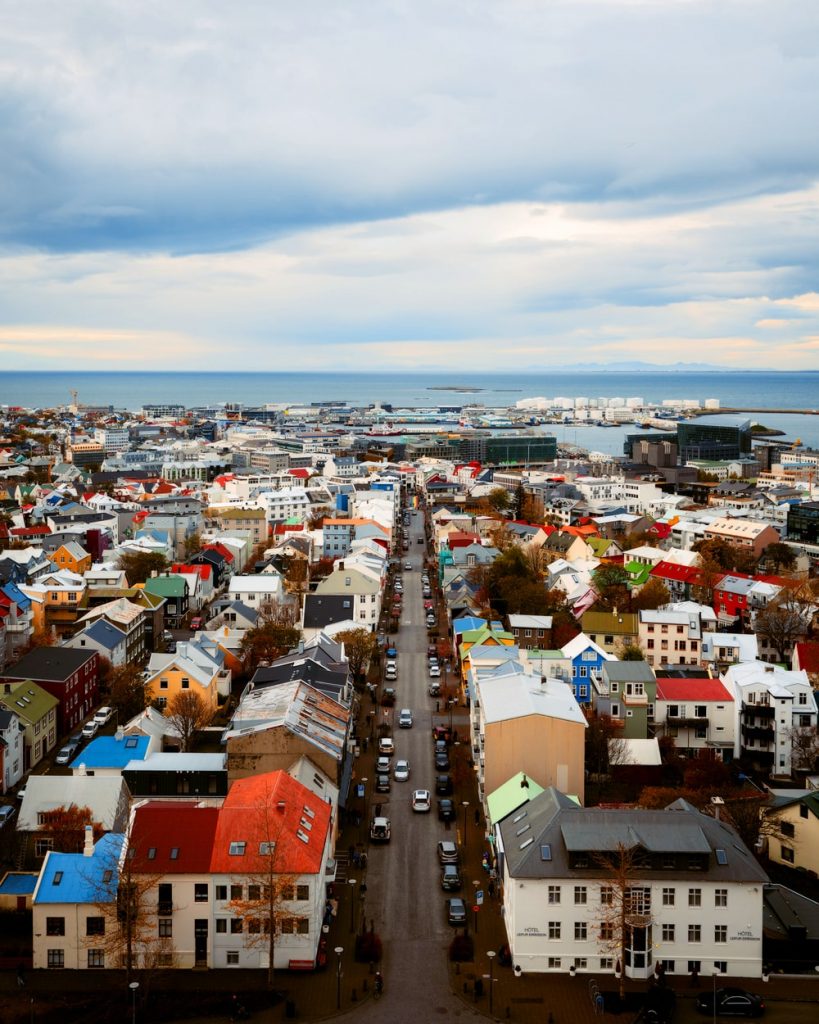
<point>131,390</point>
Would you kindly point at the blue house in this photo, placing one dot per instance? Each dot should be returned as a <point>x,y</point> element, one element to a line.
<point>586,657</point>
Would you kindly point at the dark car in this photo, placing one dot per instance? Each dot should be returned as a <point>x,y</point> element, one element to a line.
<point>440,745</point>
<point>442,761</point>
<point>446,810</point>
<point>456,911</point>
<point>443,785</point>
<point>382,783</point>
<point>450,878</point>
<point>731,1002</point>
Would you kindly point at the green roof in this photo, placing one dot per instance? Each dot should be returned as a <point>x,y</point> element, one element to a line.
<point>167,586</point>
<point>598,544</point>
<point>512,794</point>
<point>608,622</point>
<point>30,701</point>
<point>638,571</point>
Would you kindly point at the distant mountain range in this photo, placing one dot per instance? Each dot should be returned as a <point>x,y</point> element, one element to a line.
<point>635,365</point>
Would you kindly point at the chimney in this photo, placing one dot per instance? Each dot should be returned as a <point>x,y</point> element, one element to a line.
<point>119,734</point>
<point>281,805</point>
<point>88,845</point>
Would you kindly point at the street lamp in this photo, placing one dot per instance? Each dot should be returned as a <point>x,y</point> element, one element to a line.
<point>452,702</point>
<point>352,882</point>
<point>714,1006</point>
<point>338,951</point>
<point>491,955</point>
<point>133,986</point>
<point>464,804</point>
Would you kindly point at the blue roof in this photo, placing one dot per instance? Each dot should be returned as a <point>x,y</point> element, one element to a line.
<point>110,752</point>
<point>18,883</point>
<point>75,878</point>
<point>103,633</point>
<point>466,623</point>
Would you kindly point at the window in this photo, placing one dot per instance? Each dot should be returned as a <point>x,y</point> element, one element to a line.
<point>96,958</point>
<point>221,925</point>
<point>695,933</point>
<point>720,897</point>
<point>554,894</point>
<point>95,926</point>
<point>554,963</point>
<point>695,897</point>
<point>163,684</point>
<point>303,926</point>
<point>236,926</point>
<point>668,932</point>
<point>265,849</point>
<point>56,958</point>
<point>788,828</point>
<point>579,894</point>
<point>554,929</point>
<point>55,926</point>
<point>302,892</point>
<point>254,893</point>
<point>581,931</point>
<point>721,966</point>
<point>200,892</point>
<point>221,892</point>
<point>720,933</point>
<point>607,895</point>
<point>41,848</point>
<point>254,926</point>
<point>667,966</point>
<point>694,966</point>
<point>606,963</point>
<point>606,931</point>
<point>237,849</point>
<point>803,810</point>
<point>787,854</point>
<point>236,892</point>
<point>232,959</point>
<point>722,857</point>
<point>165,927</point>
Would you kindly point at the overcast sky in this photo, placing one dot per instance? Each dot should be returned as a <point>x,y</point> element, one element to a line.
<point>263,184</point>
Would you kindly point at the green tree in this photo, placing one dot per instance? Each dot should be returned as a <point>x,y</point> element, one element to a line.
<point>361,646</point>
<point>499,499</point>
<point>632,652</point>
<point>778,557</point>
<point>193,545</point>
<point>653,595</point>
<point>139,565</point>
<point>611,584</point>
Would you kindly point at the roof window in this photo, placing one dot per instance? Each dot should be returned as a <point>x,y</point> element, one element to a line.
<point>58,877</point>
<point>152,853</point>
<point>722,856</point>
<point>174,853</point>
<point>266,849</point>
<point>546,851</point>
<point>303,836</point>
<point>527,842</point>
<point>237,849</point>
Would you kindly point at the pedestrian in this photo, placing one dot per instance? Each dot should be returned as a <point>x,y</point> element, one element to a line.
<point>350,853</point>
<point>437,705</point>
<point>21,978</point>
<point>491,888</point>
<point>477,816</point>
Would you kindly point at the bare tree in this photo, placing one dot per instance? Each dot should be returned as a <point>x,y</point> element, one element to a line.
<point>188,713</point>
<point>805,749</point>
<point>783,623</point>
<point>360,646</point>
<point>625,904</point>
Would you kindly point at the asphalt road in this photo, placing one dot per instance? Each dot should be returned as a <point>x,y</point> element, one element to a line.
<point>403,878</point>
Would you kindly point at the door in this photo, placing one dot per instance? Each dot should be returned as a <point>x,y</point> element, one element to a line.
<point>200,934</point>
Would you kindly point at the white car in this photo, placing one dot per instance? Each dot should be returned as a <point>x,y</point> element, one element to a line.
<point>421,801</point>
<point>434,671</point>
<point>407,566</point>
<point>103,715</point>
<point>386,746</point>
<point>405,719</point>
<point>90,729</point>
<point>402,771</point>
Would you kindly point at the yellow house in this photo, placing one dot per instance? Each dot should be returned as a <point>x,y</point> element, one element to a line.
<point>72,557</point>
<point>483,637</point>
<point>194,666</point>
<point>56,601</point>
<point>794,838</point>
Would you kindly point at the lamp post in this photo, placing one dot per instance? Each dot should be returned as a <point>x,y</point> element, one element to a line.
<point>133,986</point>
<point>714,995</point>
<point>452,702</point>
<point>338,951</point>
<point>491,955</point>
<point>464,804</point>
<point>352,882</point>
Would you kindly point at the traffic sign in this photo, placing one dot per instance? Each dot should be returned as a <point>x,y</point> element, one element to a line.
<point>476,908</point>
<point>479,897</point>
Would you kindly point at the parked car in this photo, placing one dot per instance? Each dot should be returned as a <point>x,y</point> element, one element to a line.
<point>405,719</point>
<point>432,651</point>
<point>447,852</point>
<point>421,801</point>
<point>66,754</point>
<point>731,1002</point>
<point>382,783</point>
<point>392,652</point>
<point>430,620</point>
<point>167,637</point>
<point>382,765</point>
<point>90,729</point>
<point>386,746</point>
<point>434,689</point>
<point>456,911</point>
<point>388,697</point>
<point>103,715</point>
<point>442,761</point>
<point>407,566</point>
<point>446,810</point>
<point>440,743</point>
<point>434,671</point>
<point>380,830</point>
<point>443,785</point>
<point>197,622</point>
<point>450,878</point>
<point>401,773</point>
<point>7,812</point>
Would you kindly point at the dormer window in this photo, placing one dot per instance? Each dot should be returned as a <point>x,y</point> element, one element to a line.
<point>237,849</point>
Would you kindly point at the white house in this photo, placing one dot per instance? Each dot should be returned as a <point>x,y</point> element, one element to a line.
<point>690,889</point>
<point>700,714</point>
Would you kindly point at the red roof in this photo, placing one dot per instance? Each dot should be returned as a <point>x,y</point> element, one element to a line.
<point>460,539</point>
<point>678,573</point>
<point>29,531</point>
<point>807,656</point>
<point>300,474</point>
<point>692,689</point>
<point>277,808</point>
<point>202,571</point>
<point>167,826</point>
<point>282,528</point>
<point>660,529</point>
<point>225,552</point>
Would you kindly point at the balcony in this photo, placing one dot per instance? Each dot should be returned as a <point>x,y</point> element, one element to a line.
<point>689,720</point>
<point>634,700</point>
<point>760,710</point>
<point>164,908</point>
<point>763,733</point>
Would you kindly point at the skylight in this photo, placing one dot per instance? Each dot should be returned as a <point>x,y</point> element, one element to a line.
<point>131,742</point>
<point>174,852</point>
<point>722,856</point>
<point>527,842</point>
<point>265,849</point>
<point>152,853</point>
<point>308,812</point>
<point>237,849</point>
<point>58,877</point>
<point>525,828</point>
<point>546,851</point>
<point>107,875</point>
<point>303,836</point>
<point>520,816</point>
